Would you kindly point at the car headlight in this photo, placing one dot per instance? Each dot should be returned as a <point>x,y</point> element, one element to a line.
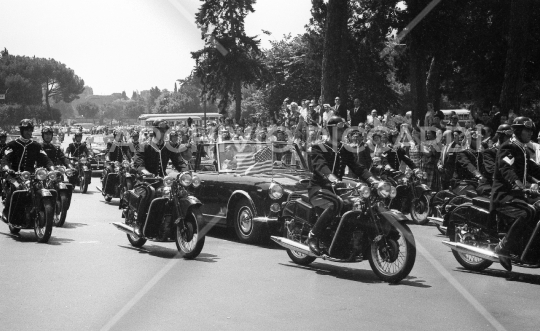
<point>41,174</point>
<point>25,175</point>
<point>185,179</point>
<point>383,189</point>
<point>196,182</point>
<point>275,191</point>
<point>83,160</point>
<point>125,164</point>
<point>364,191</point>
<point>393,192</point>
<point>168,181</point>
<point>69,172</point>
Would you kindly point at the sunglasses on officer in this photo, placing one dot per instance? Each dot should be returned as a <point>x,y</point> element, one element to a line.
<point>528,124</point>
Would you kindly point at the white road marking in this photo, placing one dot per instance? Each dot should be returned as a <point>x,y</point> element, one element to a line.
<point>455,283</point>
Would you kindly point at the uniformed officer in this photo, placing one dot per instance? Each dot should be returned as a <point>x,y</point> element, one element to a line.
<point>77,148</point>
<point>53,152</point>
<point>23,154</point>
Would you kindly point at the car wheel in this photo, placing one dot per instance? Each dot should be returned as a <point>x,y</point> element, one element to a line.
<point>246,229</point>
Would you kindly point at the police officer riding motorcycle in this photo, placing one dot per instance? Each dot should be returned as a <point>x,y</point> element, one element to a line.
<point>118,156</point>
<point>79,153</point>
<point>329,160</point>
<point>161,207</point>
<point>62,167</point>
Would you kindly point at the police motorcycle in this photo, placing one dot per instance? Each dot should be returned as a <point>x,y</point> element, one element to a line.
<point>363,228</point>
<point>164,210</point>
<point>473,235</point>
<point>55,181</point>
<point>117,181</point>
<point>83,175</point>
<point>412,195</point>
<point>31,203</point>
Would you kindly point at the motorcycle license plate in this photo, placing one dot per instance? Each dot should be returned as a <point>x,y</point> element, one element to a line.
<point>62,186</point>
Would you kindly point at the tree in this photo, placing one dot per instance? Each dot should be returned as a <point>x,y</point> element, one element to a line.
<point>230,58</point>
<point>334,64</point>
<point>134,96</point>
<point>88,109</point>
<point>124,96</point>
<point>175,88</point>
<point>58,81</point>
<point>155,92</point>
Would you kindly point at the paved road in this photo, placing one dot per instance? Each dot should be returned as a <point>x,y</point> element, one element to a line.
<point>89,278</point>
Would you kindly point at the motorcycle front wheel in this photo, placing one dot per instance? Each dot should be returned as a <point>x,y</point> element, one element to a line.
<point>420,210</point>
<point>61,210</point>
<point>189,240</point>
<point>83,184</point>
<point>44,222</point>
<point>392,256</point>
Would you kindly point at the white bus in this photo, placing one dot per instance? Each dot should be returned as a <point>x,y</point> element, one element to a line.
<point>176,118</point>
<point>463,115</point>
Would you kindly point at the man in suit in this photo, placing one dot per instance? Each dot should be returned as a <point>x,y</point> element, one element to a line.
<point>357,115</point>
<point>449,158</point>
<point>340,109</point>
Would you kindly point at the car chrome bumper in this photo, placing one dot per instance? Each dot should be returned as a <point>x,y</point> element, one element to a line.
<point>264,219</point>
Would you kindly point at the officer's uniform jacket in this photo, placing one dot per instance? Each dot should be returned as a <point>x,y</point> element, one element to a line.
<point>468,164</point>
<point>513,163</point>
<point>77,150</point>
<point>118,151</point>
<point>489,161</point>
<point>55,154</point>
<point>327,159</point>
<point>395,156</point>
<point>23,155</point>
<point>154,158</point>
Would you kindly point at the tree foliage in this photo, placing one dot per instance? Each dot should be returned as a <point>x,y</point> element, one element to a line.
<point>88,109</point>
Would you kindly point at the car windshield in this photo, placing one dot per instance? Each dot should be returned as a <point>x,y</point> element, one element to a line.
<point>278,157</point>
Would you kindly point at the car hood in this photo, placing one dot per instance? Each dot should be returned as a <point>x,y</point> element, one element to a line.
<point>290,181</point>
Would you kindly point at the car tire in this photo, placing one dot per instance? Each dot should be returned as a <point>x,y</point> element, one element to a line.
<point>246,229</point>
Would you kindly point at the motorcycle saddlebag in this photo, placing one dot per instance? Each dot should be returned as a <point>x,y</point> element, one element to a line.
<point>138,200</point>
<point>110,183</point>
<point>299,210</point>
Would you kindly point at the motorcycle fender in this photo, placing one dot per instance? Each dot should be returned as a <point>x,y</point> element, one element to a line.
<point>421,189</point>
<point>69,192</point>
<point>45,194</point>
<point>186,203</point>
<point>88,175</point>
<point>392,216</point>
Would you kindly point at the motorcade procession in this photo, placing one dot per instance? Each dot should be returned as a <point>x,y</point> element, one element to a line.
<point>314,184</point>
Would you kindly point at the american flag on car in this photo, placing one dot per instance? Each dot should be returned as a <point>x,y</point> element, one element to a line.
<point>255,162</point>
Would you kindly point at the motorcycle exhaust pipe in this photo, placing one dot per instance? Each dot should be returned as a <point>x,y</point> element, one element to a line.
<point>99,189</point>
<point>292,245</point>
<point>475,251</point>
<point>436,220</point>
<point>124,228</point>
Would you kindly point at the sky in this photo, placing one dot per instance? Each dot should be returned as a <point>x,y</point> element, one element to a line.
<point>127,45</point>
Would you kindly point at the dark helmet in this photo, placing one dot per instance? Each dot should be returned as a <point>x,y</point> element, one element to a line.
<point>336,120</point>
<point>46,129</point>
<point>26,123</point>
<point>505,128</point>
<point>523,122</point>
<point>3,134</point>
<point>160,124</point>
<point>79,133</point>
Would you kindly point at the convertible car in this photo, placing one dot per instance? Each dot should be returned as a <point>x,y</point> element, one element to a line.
<point>243,185</point>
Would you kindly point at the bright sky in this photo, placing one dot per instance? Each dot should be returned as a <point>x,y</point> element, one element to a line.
<point>126,45</point>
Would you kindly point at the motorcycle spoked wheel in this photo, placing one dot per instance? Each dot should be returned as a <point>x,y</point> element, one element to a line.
<point>83,184</point>
<point>392,259</point>
<point>419,210</point>
<point>296,257</point>
<point>189,240</point>
<point>469,262</point>
<point>60,211</point>
<point>43,222</point>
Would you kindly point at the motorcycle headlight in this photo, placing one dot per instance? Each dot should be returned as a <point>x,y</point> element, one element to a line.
<point>408,173</point>
<point>53,174</point>
<point>196,182</point>
<point>275,191</point>
<point>41,174</point>
<point>69,172</point>
<point>168,181</point>
<point>383,189</point>
<point>116,164</point>
<point>393,192</point>
<point>125,164</point>
<point>25,175</point>
<point>166,190</point>
<point>185,179</point>
<point>364,190</point>
<point>83,160</point>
